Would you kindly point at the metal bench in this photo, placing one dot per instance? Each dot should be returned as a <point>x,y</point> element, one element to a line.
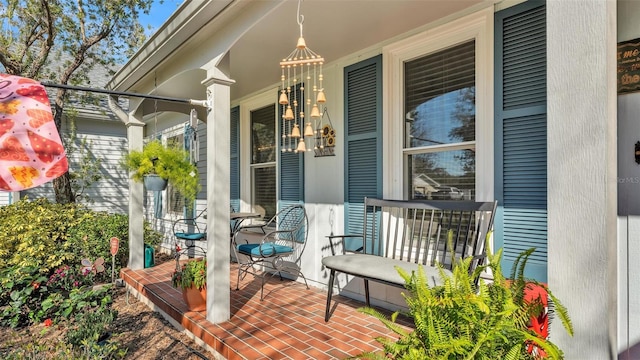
<point>407,234</point>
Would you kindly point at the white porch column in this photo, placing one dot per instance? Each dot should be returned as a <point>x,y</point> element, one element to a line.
<point>218,202</point>
<point>135,135</point>
<point>581,130</point>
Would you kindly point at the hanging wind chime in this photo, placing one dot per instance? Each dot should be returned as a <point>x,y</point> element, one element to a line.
<point>301,96</point>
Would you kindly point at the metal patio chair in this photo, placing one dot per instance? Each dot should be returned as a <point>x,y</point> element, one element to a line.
<point>190,236</point>
<point>283,239</point>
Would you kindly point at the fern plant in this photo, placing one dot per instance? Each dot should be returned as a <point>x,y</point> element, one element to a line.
<point>459,320</point>
<point>169,162</point>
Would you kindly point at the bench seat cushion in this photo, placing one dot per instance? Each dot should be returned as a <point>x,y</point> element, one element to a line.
<point>379,268</point>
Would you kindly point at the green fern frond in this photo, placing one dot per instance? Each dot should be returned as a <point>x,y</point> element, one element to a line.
<point>460,319</point>
<point>389,323</point>
<point>514,352</point>
<point>562,312</point>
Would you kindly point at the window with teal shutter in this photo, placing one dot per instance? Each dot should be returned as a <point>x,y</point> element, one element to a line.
<point>363,140</point>
<point>291,165</point>
<point>234,169</point>
<point>521,137</point>
<point>263,160</point>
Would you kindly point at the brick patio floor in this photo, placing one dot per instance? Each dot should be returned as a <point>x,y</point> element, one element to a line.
<point>288,324</point>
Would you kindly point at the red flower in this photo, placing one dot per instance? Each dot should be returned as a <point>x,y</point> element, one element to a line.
<point>48,322</point>
<point>35,285</point>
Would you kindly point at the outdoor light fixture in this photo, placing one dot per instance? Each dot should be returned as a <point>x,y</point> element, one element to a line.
<point>301,96</point>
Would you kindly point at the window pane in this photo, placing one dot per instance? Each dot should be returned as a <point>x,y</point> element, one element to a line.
<point>264,190</point>
<point>263,135</point>
<point>175,200</point>
<point>447,175</point>
<point>440,97</point>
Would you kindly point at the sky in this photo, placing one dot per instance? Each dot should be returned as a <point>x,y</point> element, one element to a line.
<point>159,13</point>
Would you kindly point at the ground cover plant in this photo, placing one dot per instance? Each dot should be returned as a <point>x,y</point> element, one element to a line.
<point>53,274</point>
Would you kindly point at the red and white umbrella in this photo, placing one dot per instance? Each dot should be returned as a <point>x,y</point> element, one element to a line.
<point>31,152</point>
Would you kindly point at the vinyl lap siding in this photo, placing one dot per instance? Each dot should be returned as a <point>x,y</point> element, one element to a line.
<point>111,193</point>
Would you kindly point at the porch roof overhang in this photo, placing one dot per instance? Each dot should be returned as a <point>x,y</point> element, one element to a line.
<point>334,29</point>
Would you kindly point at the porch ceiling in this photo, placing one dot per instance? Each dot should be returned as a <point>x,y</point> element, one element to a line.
<point>332,28</point>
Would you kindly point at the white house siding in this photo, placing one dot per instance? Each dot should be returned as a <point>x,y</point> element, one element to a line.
<point>6,198</point>
<point>105,140</point>
<point>628,181</point>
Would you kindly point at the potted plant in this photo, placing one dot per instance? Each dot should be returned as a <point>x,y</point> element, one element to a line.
<point>192,279</point>
<point>460,320</point>
<point>169,163</point>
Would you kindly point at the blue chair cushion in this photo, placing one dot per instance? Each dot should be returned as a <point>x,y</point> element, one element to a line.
<point>268,249</point>
<point>191,236</point>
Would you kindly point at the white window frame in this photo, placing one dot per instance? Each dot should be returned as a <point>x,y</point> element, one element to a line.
<point>246,168</point>
<point>478,27</point>
<point>168,133</point>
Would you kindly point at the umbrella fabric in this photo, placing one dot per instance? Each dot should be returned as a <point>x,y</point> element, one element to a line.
<point>31,152</point>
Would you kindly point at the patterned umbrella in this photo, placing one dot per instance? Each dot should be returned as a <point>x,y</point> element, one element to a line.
<point>31,151</point>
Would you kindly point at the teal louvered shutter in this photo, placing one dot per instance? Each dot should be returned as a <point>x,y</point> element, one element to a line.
<point>234,168</point>
<point>521,136</point>
<point>363,140</point>
<point>291,166</point>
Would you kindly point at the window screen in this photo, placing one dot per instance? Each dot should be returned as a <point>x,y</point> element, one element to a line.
<point>439,139</point>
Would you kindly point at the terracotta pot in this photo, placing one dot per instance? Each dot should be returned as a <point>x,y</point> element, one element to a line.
<point>195,299</point>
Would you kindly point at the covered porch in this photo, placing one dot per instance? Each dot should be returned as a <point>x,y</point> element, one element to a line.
<point>288,324</point>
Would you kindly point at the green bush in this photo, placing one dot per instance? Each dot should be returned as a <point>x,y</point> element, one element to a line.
<point>90,239</point>
<point>22,290</point>
<point>35,233</point>
<point>46,235</point>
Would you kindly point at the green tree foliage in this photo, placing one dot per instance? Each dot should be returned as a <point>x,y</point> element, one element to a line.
<point>63,40</point>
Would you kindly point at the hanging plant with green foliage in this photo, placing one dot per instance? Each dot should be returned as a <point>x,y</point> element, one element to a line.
<point>460,320</point>
<point>169,162</point>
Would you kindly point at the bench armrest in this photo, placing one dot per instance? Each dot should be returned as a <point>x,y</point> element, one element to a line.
<point>342,240</point>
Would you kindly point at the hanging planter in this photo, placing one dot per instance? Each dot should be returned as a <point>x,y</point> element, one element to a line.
<point>154,182</point>
<point>170,163</point>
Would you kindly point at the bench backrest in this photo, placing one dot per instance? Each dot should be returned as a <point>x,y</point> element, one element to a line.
<point>417,231</point>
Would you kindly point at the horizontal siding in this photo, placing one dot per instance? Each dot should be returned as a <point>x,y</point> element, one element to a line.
<point>111,193</point>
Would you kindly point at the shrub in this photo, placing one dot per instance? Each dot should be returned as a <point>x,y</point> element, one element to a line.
<point>21,292</point>
<point>34,233</point>
<point>459,320</point>
<point>46,235</point>
<point>90,239</point>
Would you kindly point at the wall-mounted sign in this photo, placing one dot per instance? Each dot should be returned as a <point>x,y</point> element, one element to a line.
<point>628,66</point>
